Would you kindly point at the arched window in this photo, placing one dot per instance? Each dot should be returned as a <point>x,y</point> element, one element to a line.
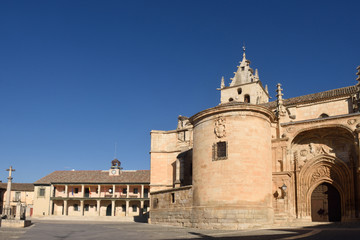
<point>247,98</point>
<point>239,90</point>
<point>324,115</point>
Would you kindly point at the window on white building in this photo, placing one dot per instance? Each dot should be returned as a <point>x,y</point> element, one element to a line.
<point>42,192</point>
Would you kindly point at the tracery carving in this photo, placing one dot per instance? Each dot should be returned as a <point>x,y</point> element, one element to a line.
<point>219,129</point>
<point>303,152</point>
<point>321,172</point>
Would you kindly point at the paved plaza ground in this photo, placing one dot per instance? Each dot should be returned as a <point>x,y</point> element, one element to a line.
<point>56,230</point>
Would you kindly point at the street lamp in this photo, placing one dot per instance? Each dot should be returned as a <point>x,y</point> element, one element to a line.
<point>283,188</point>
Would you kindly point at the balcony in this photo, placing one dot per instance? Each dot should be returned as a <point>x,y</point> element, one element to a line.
<point>99,196</point>
<point>99,192</point>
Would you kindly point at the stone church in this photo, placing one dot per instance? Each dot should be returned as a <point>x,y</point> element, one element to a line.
<point>249,162</point>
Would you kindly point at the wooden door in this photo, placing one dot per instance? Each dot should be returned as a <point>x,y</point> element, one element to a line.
<point>325,204</point>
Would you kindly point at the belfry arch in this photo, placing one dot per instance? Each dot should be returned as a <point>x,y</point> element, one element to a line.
<point>324,157</point>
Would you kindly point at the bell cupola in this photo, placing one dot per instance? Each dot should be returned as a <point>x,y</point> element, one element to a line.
<point>245,86</point>
<point>115,169</point>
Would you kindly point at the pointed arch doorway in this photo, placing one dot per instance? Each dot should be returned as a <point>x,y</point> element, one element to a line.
<point>325,204</point>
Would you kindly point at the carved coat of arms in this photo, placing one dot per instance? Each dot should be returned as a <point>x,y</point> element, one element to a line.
<point>219,129</point>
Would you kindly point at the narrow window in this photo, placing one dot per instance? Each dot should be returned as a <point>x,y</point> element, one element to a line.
<point>17,196</point>
<point>76,207</point>
<point>221,149</point>
<point>123,208</point>
<point>41,192</point>
<point>247,98</point>
<point>172,197</point>
<point>239,91</point>
<point>76,190</point>
<point>136,191</point>
<point>124,190</point>
<point>86,207</point>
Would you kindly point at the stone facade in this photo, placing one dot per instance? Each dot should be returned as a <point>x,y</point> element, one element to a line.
<point>22,193</point>
<point>248,162</point>
<point>113,193</point>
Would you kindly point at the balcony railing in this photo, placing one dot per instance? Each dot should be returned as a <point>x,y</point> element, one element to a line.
<point>95,195</point>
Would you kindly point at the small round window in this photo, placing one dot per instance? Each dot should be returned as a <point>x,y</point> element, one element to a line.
<point>231,99</point>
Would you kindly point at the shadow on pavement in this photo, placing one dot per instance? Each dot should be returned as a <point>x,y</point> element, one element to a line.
<point>331,230</point>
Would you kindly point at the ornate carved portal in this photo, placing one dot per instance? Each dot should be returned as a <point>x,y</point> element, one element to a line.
<point>324,158</point>
<point>314,200</point>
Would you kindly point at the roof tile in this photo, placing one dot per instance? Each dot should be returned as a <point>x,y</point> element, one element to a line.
<point>339,92</point>
<point>97,176</point>
<point>29,187</point>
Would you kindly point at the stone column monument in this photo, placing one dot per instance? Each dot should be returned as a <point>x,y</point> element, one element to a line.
<point>11,222</point>
<point>7,210</point>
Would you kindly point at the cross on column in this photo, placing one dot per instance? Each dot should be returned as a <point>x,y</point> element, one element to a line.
<point>7,209</point>
<point>10,170</point>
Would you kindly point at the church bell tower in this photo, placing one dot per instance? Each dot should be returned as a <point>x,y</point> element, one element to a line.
<point>245,86</point>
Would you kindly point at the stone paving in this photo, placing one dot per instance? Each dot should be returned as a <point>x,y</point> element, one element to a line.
<point>55,230</point>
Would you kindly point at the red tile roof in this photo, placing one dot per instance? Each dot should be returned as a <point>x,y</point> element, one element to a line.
<point>320,96</point>
<point>98,176</point>
<point>28,187</point>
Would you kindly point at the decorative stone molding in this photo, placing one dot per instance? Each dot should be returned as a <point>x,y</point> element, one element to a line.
<point>315,127</point>
<point>247,109</point>
<point>303,153</point>
<point>351,121</point>
<point>290,129</point>
<point>321,169</point>
<point>321,172</point>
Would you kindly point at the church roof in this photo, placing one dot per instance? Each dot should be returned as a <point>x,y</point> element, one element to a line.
<point>315,97</point>
<point>97,176</point>
<point>28,187</point>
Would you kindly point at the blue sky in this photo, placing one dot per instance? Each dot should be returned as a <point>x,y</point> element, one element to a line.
<point>78,76</point>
